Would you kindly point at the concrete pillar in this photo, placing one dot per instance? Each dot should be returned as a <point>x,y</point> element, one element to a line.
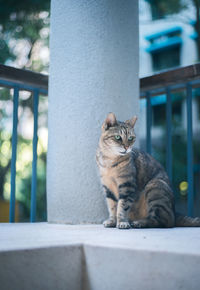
<point>93,70</point>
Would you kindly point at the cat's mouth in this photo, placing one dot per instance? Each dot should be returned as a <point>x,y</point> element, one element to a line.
<point>124,152</point>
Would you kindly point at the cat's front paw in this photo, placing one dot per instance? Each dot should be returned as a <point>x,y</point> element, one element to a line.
<point>123,225</point>
<point>110,223</point>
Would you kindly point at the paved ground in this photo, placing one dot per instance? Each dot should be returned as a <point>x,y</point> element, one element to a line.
<point>36,235</point>
<point>89,257</point>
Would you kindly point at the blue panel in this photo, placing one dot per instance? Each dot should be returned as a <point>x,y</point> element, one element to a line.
<point>169,134</point>
<point>194,35</point>
<point>14,154</point>
<point>162,90</point>
<point>34,163</point>
<point>166,32</point>
<point>149,122</point>
<point>158,100</point>
<point>163,45</point>
<point>190,151</point>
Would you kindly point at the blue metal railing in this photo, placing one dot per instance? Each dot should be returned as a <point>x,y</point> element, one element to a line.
<point>14,153</point>
<point>169,133</point>
<point>37,84</point>
<point>34,163</point>
<point>164,83</point>
<point>149,122</point>
<point>189,149</point>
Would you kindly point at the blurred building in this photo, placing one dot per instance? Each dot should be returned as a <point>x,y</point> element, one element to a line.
<point>167,43</point>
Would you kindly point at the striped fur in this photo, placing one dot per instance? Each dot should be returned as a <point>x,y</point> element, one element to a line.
<point>137,188</point>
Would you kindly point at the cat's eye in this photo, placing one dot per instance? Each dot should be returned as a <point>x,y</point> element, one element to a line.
<point>130,138</point>
<point>117,137</point>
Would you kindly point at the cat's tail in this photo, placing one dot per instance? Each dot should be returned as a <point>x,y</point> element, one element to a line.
<point>186,221</point>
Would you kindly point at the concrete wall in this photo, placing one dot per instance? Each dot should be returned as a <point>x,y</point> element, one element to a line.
<point>93,70</point>
<point>45,268</point>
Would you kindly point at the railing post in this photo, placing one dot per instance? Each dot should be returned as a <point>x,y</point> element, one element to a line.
<point>34,162</point>
<point>148,122</point>
<point>189,150</point>
<point>169,134</point>
<point>14,154</point>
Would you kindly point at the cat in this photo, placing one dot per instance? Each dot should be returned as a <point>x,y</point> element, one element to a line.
<point>137,188</point>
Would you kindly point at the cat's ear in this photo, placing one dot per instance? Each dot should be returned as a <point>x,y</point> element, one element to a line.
<point>110,121</point>
<point>132,121</point>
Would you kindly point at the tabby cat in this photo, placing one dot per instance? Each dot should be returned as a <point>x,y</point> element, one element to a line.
<point>137,188</point>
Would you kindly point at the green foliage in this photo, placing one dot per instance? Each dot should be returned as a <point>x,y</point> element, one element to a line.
<point>23,20</point>
<point>23,180</point>
<point>24,160</point>
<point>5,52</point>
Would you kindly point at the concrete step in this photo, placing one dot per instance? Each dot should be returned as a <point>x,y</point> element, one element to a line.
<point>46,256</point>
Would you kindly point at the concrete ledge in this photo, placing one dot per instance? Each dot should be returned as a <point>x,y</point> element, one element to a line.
<point>49,256</point>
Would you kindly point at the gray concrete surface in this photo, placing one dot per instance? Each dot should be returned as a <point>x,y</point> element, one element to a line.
<point>49,256</point>
<point>55,268</point>
<point>93,70</point>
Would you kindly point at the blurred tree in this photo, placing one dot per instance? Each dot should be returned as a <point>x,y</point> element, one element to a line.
<point>24,38</point>
<point>5,141</point>
<point>24,156</point>
<point>163,8</point>
<point>25,21</point>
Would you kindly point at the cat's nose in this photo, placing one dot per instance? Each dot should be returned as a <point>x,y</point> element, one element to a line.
<point>126,147</point>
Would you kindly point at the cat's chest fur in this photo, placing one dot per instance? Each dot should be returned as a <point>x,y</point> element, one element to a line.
<point>112,172</point>
<point>109,179</point>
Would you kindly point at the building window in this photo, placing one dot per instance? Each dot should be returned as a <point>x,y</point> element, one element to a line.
<point>167,58</point>
<point>165,47</point>
<point>159,115</point>
<point>198,105</point>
